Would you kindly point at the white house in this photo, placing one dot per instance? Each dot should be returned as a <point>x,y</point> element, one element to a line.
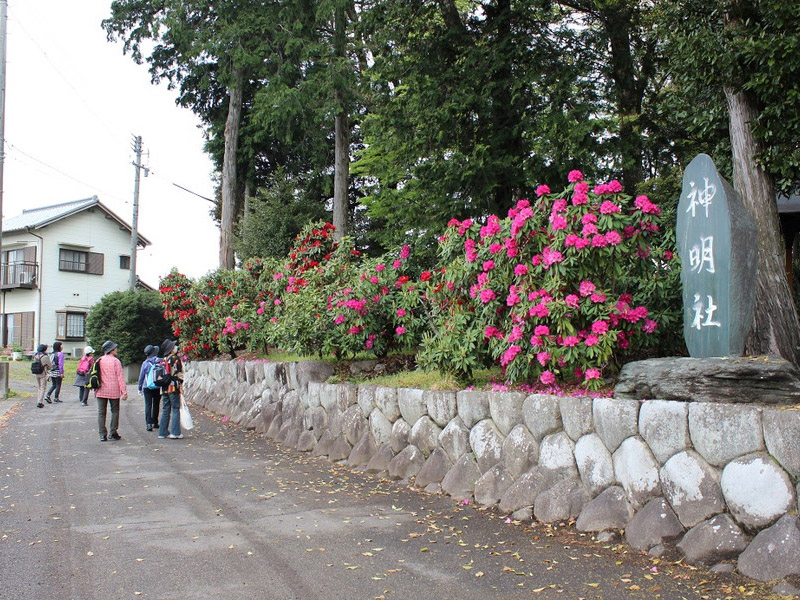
<point>57,262</point>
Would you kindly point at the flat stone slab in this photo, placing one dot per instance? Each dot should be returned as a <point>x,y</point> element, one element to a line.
<point>761,379</point>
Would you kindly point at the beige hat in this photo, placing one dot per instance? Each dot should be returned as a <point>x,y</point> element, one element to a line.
<point>88,350</point>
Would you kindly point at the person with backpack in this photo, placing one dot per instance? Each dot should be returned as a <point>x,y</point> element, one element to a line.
<point>40,367</point>
<point>112,389</point>
<point>171,397</point>
<point>149,388</point>
<point>56,374</point>
<point>84,366</point>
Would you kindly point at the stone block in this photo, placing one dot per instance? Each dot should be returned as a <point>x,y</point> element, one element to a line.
<point>757,490</point>
<point>541,414</point>
<point>329,397</point>
<point>380,426</point>
<point>292,436</point>
<point>366,398</point>
<point>324,444</point>
<point>386,400</point>
<point>354,424</point>
<point>412,404</point>
<point>654,524</point>
<point>523,514</point>
<point>434,469</point>
<point>520,451</point>
<point>472,406</point>
<point>557,503</point>
<point>782,437</point>
<point>441,405</point>
<point>460,480</point>
<point>363,451</point>
<point>406,463</point>
<point>637,471</point>
<point>722,432</point>
<point>487,444</point>
<point>713,541</point>
<point>335,421</point>
<point>381,459</point>
<point>306,441</point>
<point>609,510</point>
<point>275,426</point>
<point>454,439</point>
<point>664,425</point>
<point>691,486</point>
<point>594,463</point>
<point>425,435</point>
<point>310,371</point>
<point>492,484</point>
<point>557,451</point>
<point>400,433</point>
<point>340,449</point>
<point>576,415</point>
<point>505,409</point>
<point>615,420</point>
<point>318,419</point>
<point>774,553</point>
<point>523,491</point>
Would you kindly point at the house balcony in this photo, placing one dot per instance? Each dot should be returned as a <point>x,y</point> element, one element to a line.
<point>19,275</point>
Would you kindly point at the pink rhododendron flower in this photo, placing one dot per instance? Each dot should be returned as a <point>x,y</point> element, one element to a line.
<point>582,188</point>
<point>589,229</point>
<point>614,186</point>
<point>521,270</point>
<point>540,310</point>
<point>542,190</point>
<point>600,327</point>
<point>509,355</point>
<point>397,264</point>
<point>597,297</point>
<point>571,240</point>
<point>488,265</point>
<point>277,276</point>
<point>374,279</point>
<point>599,241</point>
<point>277,302</point>
<point>260,310</point>
<point>551,257</point>
<point>609,208</point>
<point>592,374</point>
<point>536,260</point>
<point>579,198</point>
<point>339,319</point>
<point>588,218</point>
<point>355,329</point>
<point>543,358</point>
<point>558,222</point>
<point>487,296</point>
<point>400,330</point>
<point>582,243</point>
<point>649,326</point>
<point>490,331</point>
<point>516,334</point>
<point>571,341</point>
<point>547,378</point>
<point>380,267</point>
<point>495,248</point>
<point>541,330</point>
<point>572,301</point>
<point>536,341</point>
<point>560,205</point>
<point>586,288</point>
<point>591,340</point>
<point>401,312</point>
<point>405,251</point>
<point>512,299</point>
<point>574,176</point>
<point>613,238</point>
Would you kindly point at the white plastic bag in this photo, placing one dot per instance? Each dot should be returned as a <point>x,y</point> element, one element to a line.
<point>186,417</point>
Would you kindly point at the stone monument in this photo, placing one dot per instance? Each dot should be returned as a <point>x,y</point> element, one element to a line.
<point>717,245</point>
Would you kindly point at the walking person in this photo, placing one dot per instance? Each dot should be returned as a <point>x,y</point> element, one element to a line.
<point>112,389</point>
<point>171,398</point>
<point>56,374</point>
<point>152,397</point>
<point>84,367</point>
<point>41,371</point>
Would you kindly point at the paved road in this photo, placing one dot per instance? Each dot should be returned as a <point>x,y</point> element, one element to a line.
<point>225,514</point>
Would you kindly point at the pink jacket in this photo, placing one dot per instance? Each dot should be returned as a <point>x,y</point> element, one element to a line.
<point>112,381</point>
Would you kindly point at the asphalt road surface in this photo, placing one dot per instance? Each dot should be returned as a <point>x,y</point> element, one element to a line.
<point>227,514</point>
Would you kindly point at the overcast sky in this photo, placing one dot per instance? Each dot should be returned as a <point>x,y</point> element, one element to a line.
<point>73,104</point>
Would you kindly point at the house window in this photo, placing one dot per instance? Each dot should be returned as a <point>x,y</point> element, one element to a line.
<point>73,260</point>
<point>80,261</point>
<point>19,330</point>
<point>70,325</point>
<point>125,262</point>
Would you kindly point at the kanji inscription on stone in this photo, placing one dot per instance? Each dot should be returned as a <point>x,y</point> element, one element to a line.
<point>717,245</point>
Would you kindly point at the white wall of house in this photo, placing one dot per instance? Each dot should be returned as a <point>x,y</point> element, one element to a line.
<point>58,290</point>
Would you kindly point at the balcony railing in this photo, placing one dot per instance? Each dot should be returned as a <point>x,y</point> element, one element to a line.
<point>20,274</point>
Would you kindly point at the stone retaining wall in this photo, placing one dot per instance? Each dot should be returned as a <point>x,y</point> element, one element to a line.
<point>718,479</point>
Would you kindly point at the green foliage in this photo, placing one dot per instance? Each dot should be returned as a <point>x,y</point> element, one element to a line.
<point>133,319</point>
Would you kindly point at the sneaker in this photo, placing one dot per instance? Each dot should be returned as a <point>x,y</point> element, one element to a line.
<point>40,405</point>
<point>57,400</point>
<point>48,400</point>
<point>84,404</point>
<point>115,436</point>
<point>162,437</point>
<point>103,438</point>
<point>149,428</point>
<point>176,437</point>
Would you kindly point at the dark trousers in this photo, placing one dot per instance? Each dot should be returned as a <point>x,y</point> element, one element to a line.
<point>102,404</point>
<point>83,394</point>
<point>55,388</point>
<point>152,404</point>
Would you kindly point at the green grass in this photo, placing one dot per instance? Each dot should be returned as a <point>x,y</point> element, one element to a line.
<point>20,370</point>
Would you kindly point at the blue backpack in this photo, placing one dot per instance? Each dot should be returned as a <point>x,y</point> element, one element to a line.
<point>157,375</point>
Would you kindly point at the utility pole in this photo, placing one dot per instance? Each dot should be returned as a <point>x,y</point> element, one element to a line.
<point>3,267</point>
<point>137,148</point>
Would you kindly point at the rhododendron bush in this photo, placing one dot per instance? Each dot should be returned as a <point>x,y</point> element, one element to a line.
<point>557,290</point>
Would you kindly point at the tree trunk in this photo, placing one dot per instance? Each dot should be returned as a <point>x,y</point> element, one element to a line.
<point>341,166</point>
<point>776,329</point>
<point>226,256</point>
